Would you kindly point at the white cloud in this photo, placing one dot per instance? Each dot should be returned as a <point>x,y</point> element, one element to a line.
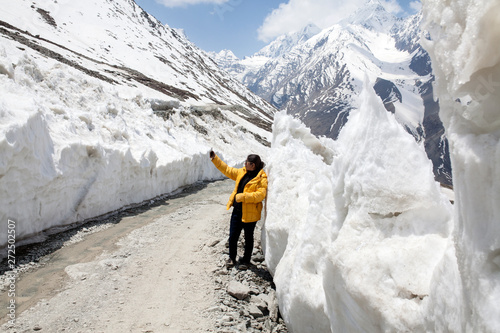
<point>184,3</point>
<point>295,14</point>
<point>416,6</point>
<point>392,6</point>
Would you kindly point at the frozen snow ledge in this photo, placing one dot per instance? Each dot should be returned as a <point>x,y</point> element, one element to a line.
<point>464,47</point>
<point>43,189</point>
<point>73,147</point>
<point>358,235</point>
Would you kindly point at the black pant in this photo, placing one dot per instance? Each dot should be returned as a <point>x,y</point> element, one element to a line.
<point>234,234</point>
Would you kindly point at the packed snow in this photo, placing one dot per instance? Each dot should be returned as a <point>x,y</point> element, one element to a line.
<point>464,40</point>
<point>356,229</point>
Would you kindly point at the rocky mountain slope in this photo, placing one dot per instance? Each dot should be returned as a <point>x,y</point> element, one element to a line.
<point>119,43</point>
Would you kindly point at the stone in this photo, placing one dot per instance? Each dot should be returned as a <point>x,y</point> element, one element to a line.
<point>242,328</point>
<point>213,309</point>
<point>272,305</point>
<point>215,242</point>
<point>269,325</point>
<point>254,291</point>
<point>260,302</point>
<point>243,297</point>
<point>226,319</point>
<point>238,290</point>
<point>255,311</point>
<point>258,258</point>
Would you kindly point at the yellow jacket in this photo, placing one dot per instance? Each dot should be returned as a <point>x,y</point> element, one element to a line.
<point>253,193</point>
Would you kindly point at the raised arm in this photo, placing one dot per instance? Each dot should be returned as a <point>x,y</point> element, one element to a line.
<point>223,167</point>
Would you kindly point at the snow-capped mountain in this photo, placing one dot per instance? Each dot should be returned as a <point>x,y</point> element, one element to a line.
<point>102,107</point>
<point>283,44</point>
<point>239,69</point>
<point>372,16</point>
<point>319,78</point>
<point>245,70</point>
<point>225,58</point>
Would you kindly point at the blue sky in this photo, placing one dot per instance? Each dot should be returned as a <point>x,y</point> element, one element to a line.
<point>245,26</point>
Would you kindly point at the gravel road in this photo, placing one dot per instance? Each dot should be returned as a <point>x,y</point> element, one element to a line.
<point>154,268</point>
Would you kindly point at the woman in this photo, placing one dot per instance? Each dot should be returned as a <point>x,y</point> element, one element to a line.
<point>249,192</point>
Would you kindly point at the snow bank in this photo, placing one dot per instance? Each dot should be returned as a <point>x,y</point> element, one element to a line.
<point>357,233</point>
<point>465,36</point>
<point>73,147</point>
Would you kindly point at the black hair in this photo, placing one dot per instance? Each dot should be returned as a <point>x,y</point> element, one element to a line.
<point>255,159</point>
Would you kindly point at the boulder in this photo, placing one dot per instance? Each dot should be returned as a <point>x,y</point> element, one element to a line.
<point>238,290</point>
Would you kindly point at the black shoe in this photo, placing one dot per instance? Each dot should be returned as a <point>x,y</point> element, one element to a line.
<point>229,264</point>
<point>243,264</point>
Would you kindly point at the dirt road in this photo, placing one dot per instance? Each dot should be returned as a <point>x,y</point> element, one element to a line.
<point>151,272</point>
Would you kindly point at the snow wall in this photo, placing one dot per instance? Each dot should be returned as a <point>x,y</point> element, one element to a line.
<point>358,235</point>
<point>73,147</point>
<point>465,52</point>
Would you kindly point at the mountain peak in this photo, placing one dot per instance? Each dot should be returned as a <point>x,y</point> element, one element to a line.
<point>372,16</point>
<point>285,43</point>
<point>310,30</point>
<point>227,54</point>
